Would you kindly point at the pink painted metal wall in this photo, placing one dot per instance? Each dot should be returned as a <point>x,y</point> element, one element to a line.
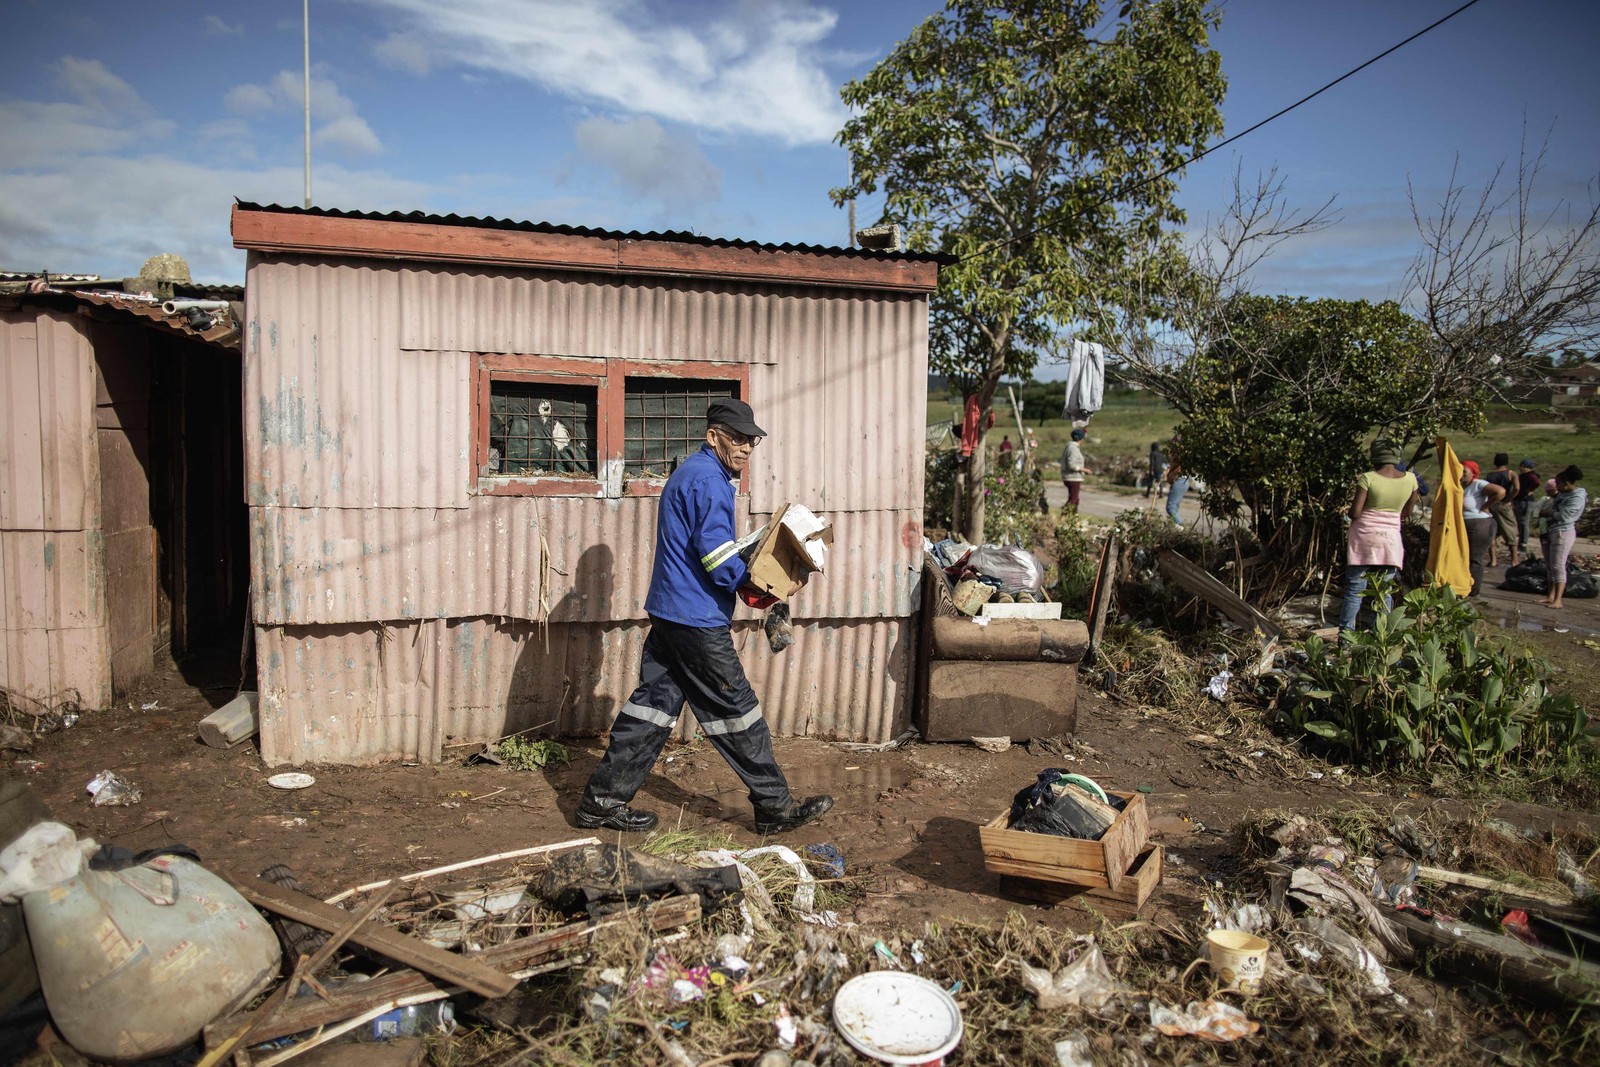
<point>359,477</point>
<point>52,582</point>
<point>365,693</point>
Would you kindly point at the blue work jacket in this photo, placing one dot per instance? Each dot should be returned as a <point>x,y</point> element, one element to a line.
<point>697,570</point>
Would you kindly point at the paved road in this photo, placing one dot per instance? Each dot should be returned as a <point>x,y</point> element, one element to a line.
<point>1104,504</point>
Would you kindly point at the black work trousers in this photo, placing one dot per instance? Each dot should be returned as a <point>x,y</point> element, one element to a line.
<point>698,665</point>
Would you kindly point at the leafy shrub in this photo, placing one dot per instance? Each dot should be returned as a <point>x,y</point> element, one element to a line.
<point>1421,688</point>
<point>1012,509</point>
<point>526,755</point>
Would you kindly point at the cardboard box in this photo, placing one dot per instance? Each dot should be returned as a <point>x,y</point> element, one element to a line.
<point>1122,902</point>
<point>1101,864</point>
<point>779,565</point>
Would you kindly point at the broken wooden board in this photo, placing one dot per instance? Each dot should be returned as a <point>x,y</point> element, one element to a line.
<point>1105,584</point>
<point>1124,902</point>
<point>1500,962</point>
<point>535,950</point>
<point>1191,577</point>
<point>384,940</point>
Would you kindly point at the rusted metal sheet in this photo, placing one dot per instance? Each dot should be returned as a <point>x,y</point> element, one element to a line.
<point>45,669</point>
<point>52,579</point>
<point>340,565</point>
<point>846,407</point>
<point>336,413</point>
<point>366,694</point>
<point>548,313</point>
<point>49,473</point>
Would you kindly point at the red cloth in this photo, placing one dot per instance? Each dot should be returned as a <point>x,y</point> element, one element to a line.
<point>969,426</point>
<point>755,598</point>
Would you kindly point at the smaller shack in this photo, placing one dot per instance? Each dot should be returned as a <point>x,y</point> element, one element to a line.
<point>122,520</point>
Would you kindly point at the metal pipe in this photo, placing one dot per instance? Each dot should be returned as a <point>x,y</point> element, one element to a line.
<point>172,307</point>
<point>305,23</point>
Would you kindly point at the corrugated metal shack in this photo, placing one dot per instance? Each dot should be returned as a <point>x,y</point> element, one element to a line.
<point>456,431</point>
<point>122,522</point>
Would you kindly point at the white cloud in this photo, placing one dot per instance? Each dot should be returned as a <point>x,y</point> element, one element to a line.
<point>754,66</point>
<point>108,214</point>
<point>215,25</point>
<point>649,161</point>
<point>94,181</point>
<point>350,134</point>
<point>107,115</point>
<point>341,127</point>
<point>405,53</point>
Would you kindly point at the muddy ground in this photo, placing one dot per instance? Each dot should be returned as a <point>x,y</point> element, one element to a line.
<point>906,820</point>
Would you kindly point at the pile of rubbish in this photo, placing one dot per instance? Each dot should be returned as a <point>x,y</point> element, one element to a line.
<point>1066,805</point>
<point>979,574</point>
<point>1530,576</point>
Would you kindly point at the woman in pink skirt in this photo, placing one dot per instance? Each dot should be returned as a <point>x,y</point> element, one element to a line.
<point>1385,495</point>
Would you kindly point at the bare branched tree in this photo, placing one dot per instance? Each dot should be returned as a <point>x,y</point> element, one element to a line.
<point>1502,281</point>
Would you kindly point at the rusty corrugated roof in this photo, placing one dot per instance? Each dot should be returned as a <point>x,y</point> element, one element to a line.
<point>673,236</point>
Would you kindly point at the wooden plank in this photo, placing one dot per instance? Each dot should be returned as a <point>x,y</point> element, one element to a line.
<point>451,868</point>
<point>521,954</point>
<point>1045,857</point>
<point>1478,881</point>
<point>1105,583</point>
<point>1500,963</point>
<point>460,970</point>
<point>1123,902</point>
<point>1191,577</point>
<point>271,231</point>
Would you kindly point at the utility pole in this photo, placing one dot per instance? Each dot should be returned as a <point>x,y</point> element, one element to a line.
<point>305,25</point>
<point>851,243</point>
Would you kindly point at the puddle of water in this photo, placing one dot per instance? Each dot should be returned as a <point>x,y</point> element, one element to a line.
<point>809,781</point>
<point>1539,626</point>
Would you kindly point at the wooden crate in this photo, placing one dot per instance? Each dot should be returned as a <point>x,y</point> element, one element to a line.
<point>1123,902</point>
<point>1098,864</point>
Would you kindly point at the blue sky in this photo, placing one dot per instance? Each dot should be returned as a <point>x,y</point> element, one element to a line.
<point>126,130</point>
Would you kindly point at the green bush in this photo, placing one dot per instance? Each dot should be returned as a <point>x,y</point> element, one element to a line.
<point>1420,688</point>
<point>1013,499</point>
<point>528,755</point>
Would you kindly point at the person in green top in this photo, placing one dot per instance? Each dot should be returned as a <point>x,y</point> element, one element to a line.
<point>1384,496</point>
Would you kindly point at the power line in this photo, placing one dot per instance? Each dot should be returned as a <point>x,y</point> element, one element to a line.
<point>1118,194</point>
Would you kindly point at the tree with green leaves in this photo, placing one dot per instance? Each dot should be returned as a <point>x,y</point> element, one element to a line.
<point>1279,406</point>
<point>1037,143</point>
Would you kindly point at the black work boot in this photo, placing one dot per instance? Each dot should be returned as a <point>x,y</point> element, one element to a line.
<point>796,815</point>
<point>621,818</point>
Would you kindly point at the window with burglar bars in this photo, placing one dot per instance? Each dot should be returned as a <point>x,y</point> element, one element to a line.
<point>665,420</point>
<point>537,428</point>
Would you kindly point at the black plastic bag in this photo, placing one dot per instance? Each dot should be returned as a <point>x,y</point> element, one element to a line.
<point>601,879</point>
<point>1525,583</point>
<point>1581,585</point>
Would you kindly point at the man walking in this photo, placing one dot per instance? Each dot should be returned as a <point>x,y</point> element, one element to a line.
<point>1528,483</point>
<point>688,654</point>
<point>1505,518</point>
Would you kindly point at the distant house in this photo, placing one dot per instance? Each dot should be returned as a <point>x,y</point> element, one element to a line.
<point>1582,380</point>
<point>122,517</point>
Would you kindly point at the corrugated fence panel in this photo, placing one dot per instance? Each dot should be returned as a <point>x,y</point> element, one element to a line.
<point>49,465</point>
<point>587,315</point>
<point>52,667</point>
<point>875,400</point>
<point>336,413</point>
<point>52,580</point>
<point>348,565</point>
<point>360,695</point>
<point>847,435</point>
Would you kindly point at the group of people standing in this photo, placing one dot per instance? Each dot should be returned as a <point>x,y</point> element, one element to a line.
<point>1502,505</point>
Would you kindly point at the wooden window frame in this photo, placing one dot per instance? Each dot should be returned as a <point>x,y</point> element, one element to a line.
<point>608,377</point>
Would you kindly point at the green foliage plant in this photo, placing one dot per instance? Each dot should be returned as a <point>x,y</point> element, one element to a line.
<point>1280,408</point>
<point>1036,142</point>
<point>1421,689</point>
<point>524,754</point>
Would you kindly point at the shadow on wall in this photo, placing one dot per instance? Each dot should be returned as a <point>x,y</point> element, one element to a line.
<point>558,686</point>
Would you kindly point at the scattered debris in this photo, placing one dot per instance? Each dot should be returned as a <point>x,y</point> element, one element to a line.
<point>109,788</point>
<point>1212,1020</point>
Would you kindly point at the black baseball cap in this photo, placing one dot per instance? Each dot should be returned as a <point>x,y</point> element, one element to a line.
<point>735,415</point>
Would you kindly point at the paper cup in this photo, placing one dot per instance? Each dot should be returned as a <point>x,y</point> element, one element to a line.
<point>1238,959</point>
